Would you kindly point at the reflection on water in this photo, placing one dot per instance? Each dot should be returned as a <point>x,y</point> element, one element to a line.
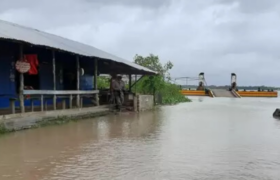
<point>218,138</point>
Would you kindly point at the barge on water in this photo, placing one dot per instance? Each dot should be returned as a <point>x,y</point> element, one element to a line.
<point>231,92</point>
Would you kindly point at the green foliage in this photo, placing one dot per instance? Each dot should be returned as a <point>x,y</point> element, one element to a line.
<point>171,94</point>
<point>103,82</point>
<point>149,85</point>
<point>152,62</point>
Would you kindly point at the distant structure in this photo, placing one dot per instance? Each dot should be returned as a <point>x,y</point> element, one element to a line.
<point>201,81</point>
<point>230,91</point>
<point>233,82</point>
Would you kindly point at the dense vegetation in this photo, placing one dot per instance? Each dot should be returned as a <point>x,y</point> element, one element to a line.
<point>159,84</point>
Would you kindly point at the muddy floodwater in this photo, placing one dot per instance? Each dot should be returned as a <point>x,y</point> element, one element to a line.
<point>208,139</point>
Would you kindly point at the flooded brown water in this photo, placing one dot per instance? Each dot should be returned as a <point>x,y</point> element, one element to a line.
<point>206,139</point>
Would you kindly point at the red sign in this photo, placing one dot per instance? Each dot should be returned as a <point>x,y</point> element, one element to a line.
<point>22,66</point>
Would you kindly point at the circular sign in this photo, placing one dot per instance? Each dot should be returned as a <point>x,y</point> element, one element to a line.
<point>22,66</point>
<point>82,71</point>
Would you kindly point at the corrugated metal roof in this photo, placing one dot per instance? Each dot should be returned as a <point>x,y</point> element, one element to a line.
<point>17,32</point>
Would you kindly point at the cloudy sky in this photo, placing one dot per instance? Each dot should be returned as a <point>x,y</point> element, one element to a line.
<point>217,37</point>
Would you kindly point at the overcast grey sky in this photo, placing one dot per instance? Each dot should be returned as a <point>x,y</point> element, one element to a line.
<point>217,37</point>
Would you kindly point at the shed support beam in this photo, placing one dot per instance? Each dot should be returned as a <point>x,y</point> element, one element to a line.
<point>21,86</point>
<point>130,82</point>
<point>54,79</point>
<point>95,81</point>
<point>78,80</point>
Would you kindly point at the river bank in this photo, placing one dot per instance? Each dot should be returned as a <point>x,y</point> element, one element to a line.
<point>17,122</point>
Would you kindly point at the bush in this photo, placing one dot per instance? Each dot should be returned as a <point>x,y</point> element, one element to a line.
<point>103,82</point>
<point>171,94</point>
<point>158,84</point>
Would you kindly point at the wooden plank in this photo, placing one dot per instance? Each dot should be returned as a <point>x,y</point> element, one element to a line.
<point>58,92</point>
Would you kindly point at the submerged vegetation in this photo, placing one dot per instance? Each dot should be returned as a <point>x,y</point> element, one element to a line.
<point>159,84</point>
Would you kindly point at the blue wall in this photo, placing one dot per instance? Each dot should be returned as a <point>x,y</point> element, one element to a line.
<point>8,84</point>
<point>7,81</point>
<point>86,82</point>
<point>46,77</point>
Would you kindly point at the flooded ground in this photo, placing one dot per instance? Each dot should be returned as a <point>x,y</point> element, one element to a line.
<point>206,139</point>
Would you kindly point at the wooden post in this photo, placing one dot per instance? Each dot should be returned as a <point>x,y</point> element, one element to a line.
<point>135,83</point>
<point>54,79</point>
<point>95,81</point>
<point>32,105</point>
<point>63,103</point>
<point>78,81</point>
<point>42,102</point>
<point>21,86</point>
<point>13,106</point>
<point>135,103</point>
<point>129,83</point>
<point>154,93</point>
<point>70,101</point>
<point>81,104</point>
